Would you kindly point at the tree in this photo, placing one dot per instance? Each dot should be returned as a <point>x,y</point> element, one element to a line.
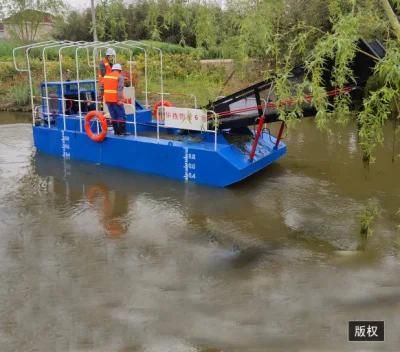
<point>385,100</point>
<point>135,15</point>
<point>269,31</point>
<point>154,20</point>
<point>77,26</point>
<point>111,21</point>
<point>27,16</point>
<point>205,26</point>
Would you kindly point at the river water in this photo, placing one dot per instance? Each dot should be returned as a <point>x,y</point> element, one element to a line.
<point>98,259</point>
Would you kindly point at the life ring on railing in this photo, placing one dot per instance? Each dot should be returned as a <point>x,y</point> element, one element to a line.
<point>96,137</point>
<point>157,106</point>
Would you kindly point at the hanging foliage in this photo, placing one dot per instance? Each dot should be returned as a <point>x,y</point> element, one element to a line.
<point>278,35</point>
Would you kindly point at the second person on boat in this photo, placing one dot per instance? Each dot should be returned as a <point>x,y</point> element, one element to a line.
<point>114,98</point>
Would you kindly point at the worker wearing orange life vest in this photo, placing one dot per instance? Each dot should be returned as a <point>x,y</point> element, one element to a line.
<point>105,69</point>
<point>114,98</point>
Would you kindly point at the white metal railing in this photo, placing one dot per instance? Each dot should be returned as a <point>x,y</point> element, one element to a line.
<point>86,46</point>
<point>28,68</point>
<point>44,59</point>
<point>161,77</point>
<point>94,48</point>
<point>215,115</point>
<point>128,45</point>
<point>129,48</point>
<point>73,45</point>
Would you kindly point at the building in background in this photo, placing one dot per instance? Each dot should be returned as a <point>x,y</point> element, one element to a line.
<point>27,25</point>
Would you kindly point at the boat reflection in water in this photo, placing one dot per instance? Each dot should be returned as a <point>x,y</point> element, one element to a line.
<point>74,184</point>
<point>265,212</point>
<point>124,203</point>
<point>112,208</point>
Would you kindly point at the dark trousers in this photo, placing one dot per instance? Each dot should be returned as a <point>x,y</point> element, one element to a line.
<point>118,117</point>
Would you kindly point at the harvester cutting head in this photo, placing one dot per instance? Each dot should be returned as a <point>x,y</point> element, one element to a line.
<point>244,107</point>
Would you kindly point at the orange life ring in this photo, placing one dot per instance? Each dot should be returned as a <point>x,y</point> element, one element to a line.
<point>157,105</point>
<point>97,137</point>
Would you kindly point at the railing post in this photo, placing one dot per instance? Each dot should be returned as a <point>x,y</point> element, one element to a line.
<point>215,128</point>
<point>257,137</point>
<point>279,135</point>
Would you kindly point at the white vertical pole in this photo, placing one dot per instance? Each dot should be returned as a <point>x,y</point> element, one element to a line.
<point>145,65</point>
<point>62,90</point>
<point>30,85</point>
<point>46,86</point>
<point>134,94</point>
<point>44,58</point>
<point>134,109</point>
<point>62,78</point>
<point>162,93</point>
<point>215,128</point>
<point>79,89</point>
<point>86,46</point>
<point>216,133</point>
<point>145,79</point>
<point>95,77</point>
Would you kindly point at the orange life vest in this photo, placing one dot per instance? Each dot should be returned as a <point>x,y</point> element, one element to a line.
<point>108,67</point>
<point>111,87</point>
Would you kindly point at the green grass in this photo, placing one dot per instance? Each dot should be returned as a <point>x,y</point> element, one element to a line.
<point>19,93</point>
<point>6,48</point>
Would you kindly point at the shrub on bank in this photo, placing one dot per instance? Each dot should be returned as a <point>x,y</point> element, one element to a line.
<point>20,94</point>
<point>6,48</point>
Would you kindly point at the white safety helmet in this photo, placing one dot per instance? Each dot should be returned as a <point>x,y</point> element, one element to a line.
<point>111,52</point>
<point>116,67</point>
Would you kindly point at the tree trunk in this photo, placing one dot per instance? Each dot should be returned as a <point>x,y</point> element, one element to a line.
<point>94,25</point>
<point>394,22</point>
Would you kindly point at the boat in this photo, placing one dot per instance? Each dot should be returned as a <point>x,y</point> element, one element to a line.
<point>215,145</point>
<point>183,143</point>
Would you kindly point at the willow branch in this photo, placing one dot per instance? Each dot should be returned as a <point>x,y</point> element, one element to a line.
<point>394,22</point>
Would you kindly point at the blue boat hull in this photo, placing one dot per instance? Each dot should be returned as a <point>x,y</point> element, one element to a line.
<point>187,160</point>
